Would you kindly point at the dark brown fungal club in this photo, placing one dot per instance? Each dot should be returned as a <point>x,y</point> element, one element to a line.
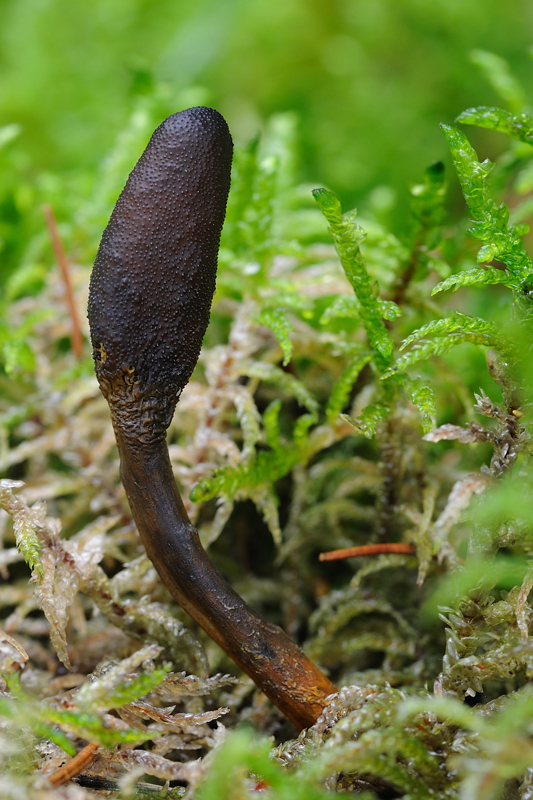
<point>149,302</point>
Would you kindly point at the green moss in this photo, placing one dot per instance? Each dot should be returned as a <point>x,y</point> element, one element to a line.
<point>331,396</point>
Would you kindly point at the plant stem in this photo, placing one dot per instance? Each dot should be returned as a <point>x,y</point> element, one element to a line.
<point>368,550</point>
<point>61,257</point>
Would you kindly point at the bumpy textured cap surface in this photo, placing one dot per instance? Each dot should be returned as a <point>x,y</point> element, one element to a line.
<point>154,275</point>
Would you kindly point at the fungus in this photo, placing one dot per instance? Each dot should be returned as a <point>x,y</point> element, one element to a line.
<point>149,302</point>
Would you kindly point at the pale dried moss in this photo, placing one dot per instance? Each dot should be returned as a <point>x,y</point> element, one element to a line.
<point>250,427</point>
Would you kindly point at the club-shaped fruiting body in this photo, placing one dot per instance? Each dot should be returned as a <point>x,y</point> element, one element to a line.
<point>149,302</point>
<point>154,275</point>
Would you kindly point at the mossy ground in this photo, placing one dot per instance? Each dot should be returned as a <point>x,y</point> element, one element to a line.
<point>343,397</point>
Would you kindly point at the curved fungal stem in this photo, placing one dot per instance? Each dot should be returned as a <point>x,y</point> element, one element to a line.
<point>261,649</point>
<point>149,301</point>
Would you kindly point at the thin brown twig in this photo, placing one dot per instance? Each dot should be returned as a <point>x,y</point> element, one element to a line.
<point>368,550</point>
<point>62,260</point>
<point>74,766</point>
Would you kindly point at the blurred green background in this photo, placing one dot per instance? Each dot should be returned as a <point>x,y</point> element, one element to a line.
<point>369,80</point>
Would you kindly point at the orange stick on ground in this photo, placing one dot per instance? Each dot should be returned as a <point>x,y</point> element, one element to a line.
<point>62,260</point>
<point>74,766</point>
<point>367,550</point>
